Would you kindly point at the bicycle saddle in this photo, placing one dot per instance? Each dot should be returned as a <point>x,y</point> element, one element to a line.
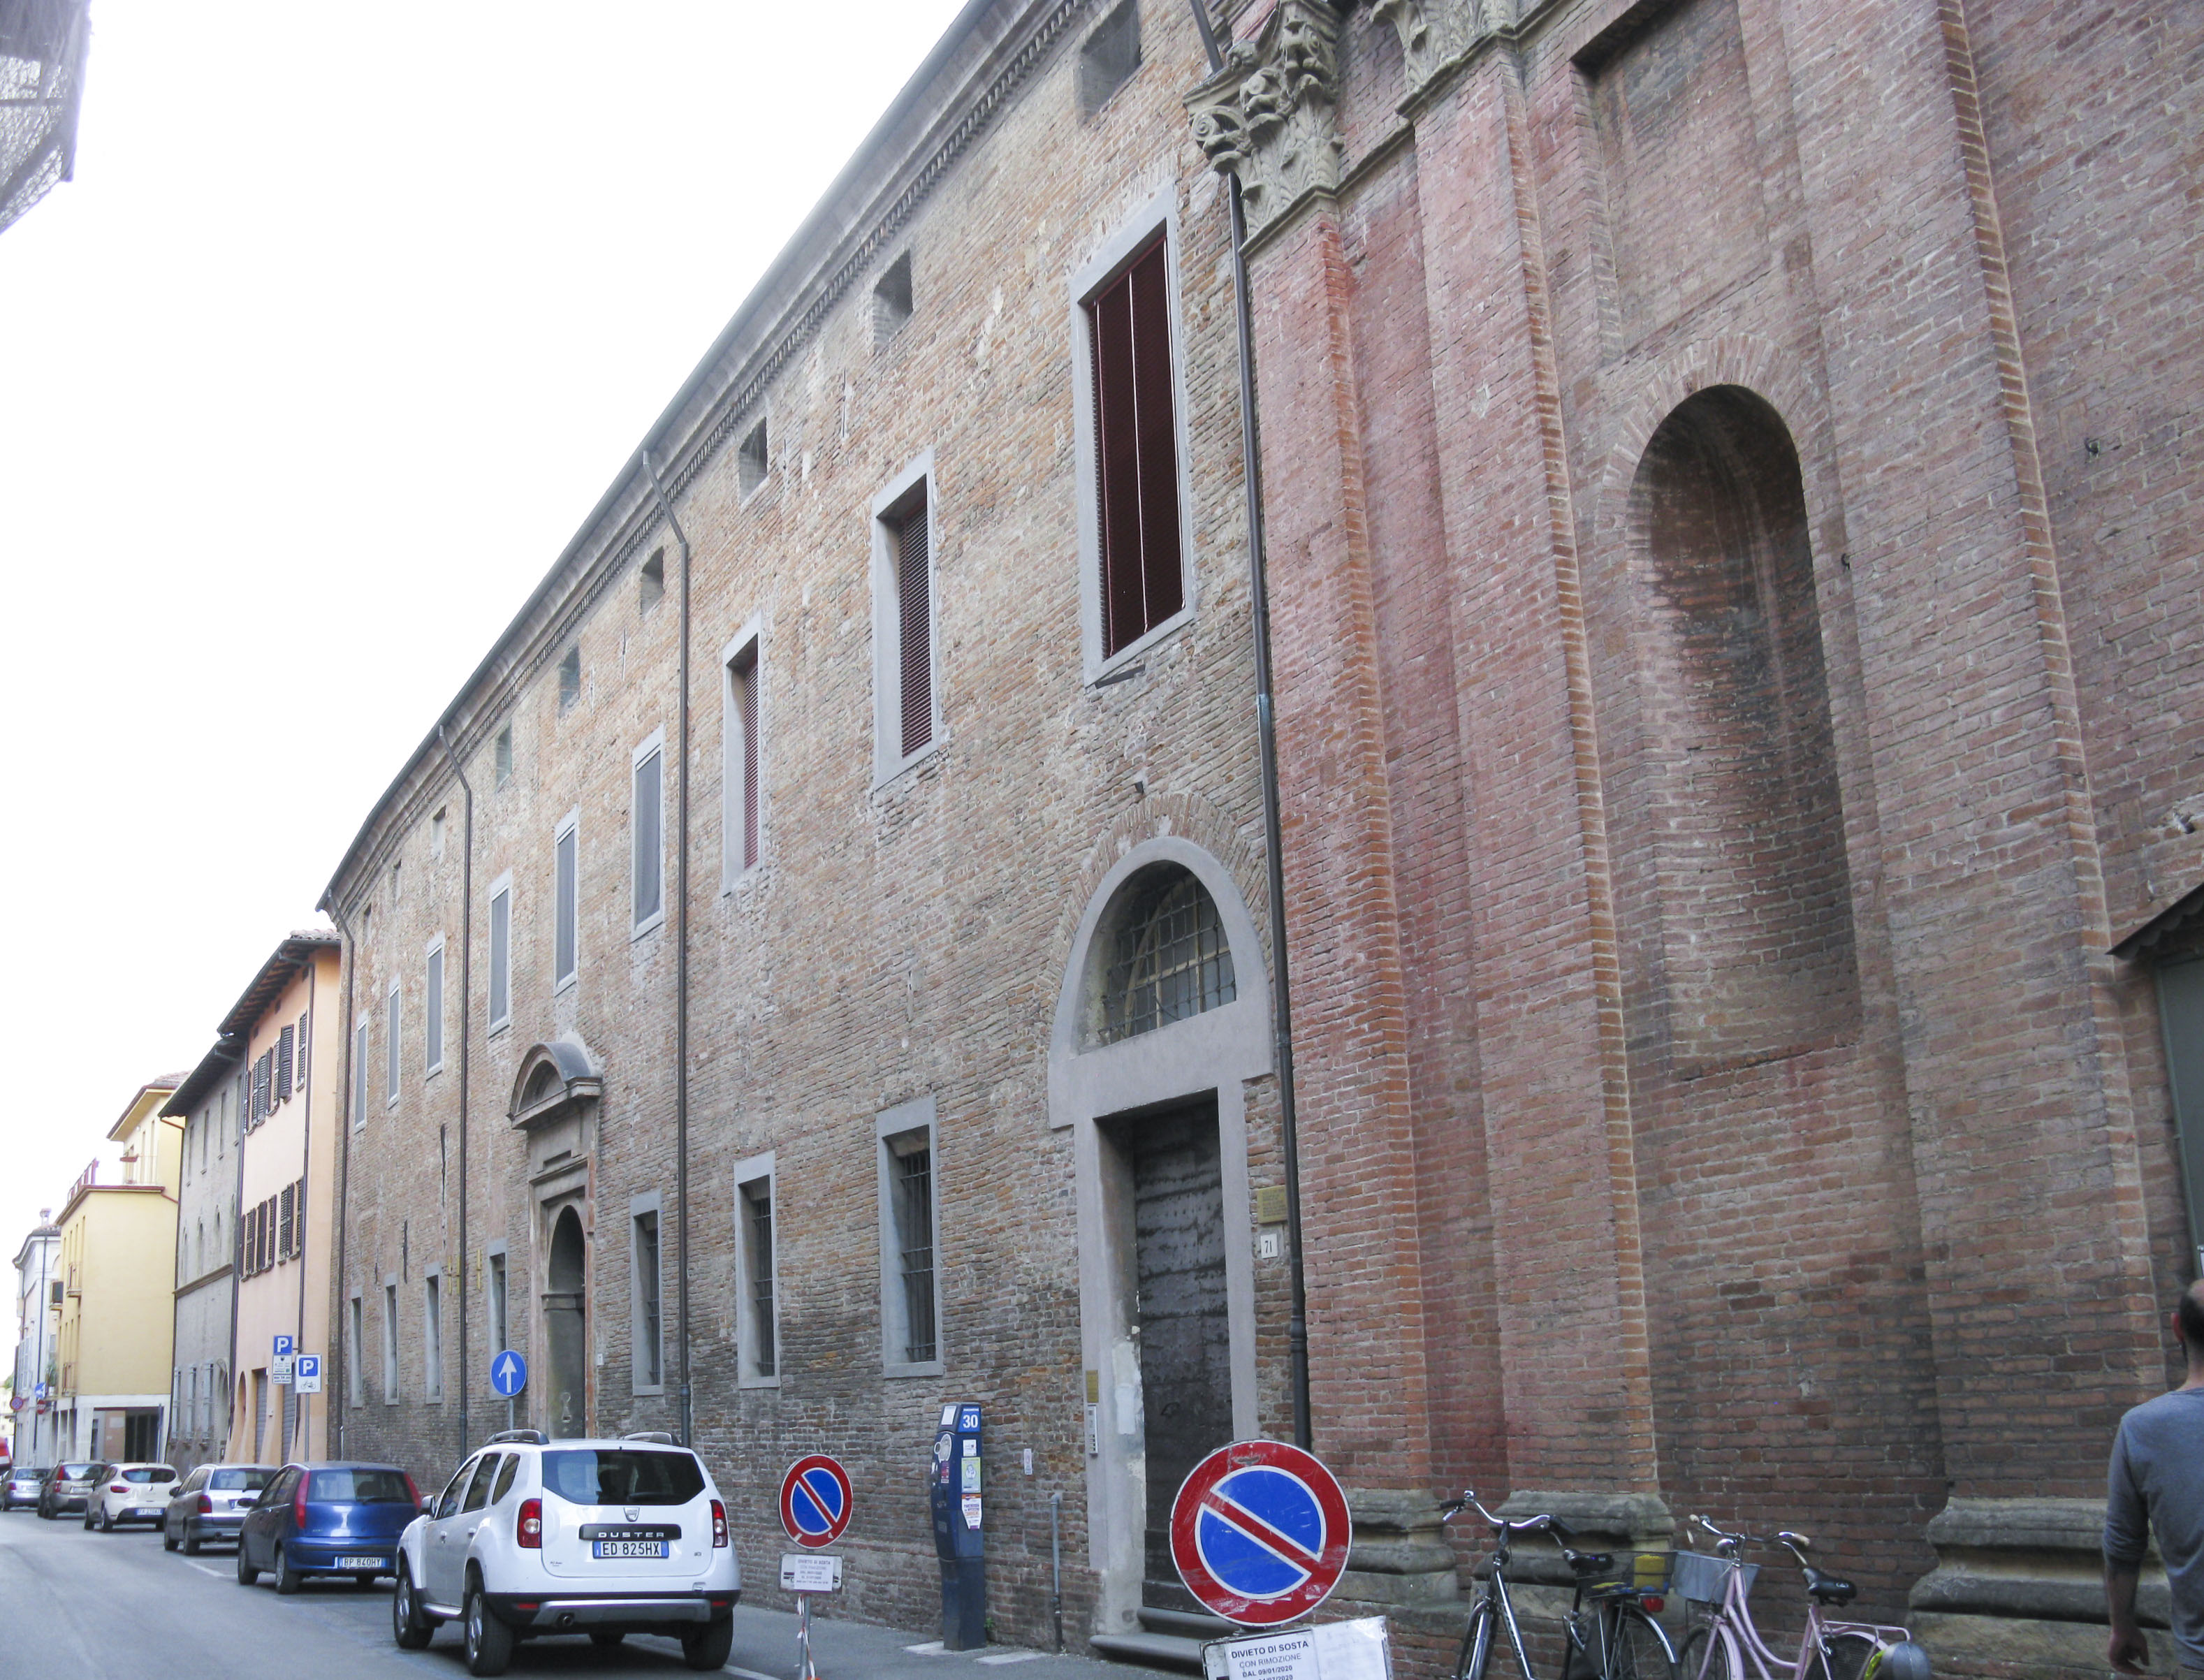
<point>1591,1562</point>
<point>1829,1588</point>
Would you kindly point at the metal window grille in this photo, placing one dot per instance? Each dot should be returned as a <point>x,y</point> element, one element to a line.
<point>1171,961</point>
<point>914,1211</point>
<point>915,612</point>
<point>649,1366</point>
<point>758,1199</point>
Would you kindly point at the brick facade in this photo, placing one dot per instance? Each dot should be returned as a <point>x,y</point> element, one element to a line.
<point>1736,641</point>
<point>902,937</point>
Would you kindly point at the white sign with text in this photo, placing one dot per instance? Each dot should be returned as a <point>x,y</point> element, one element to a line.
<point>1334,1650</point>
<point>810,1572</point>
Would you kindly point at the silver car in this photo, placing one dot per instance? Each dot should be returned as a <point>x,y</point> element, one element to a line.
<point>21,1486</point>
<point>210,1503</point>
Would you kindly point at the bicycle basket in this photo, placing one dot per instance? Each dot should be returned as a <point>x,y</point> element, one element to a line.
<point>1630,1572</point>
<point>1703,1579</point>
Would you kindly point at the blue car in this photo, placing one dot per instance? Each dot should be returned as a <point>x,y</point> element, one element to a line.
<point>326,1519</point>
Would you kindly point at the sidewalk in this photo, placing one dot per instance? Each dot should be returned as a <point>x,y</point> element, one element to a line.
<point>764,1649</point>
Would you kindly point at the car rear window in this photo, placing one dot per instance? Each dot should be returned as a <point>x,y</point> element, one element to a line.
<point>74,1472</point>
<point>155,1473</point>
<point>360,1487</point>
<point>620,1476</point>
<point>234,1481</point>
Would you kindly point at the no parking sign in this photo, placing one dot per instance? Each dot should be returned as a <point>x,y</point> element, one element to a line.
<point>1259,1532</point>
<point>815,1500</point>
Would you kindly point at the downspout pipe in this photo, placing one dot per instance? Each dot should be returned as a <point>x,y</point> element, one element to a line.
<point>300,1402</point>
<point>466,1017</point>
<point>340,1349</point>
<point>1266,731</point>
<point>680,974</point>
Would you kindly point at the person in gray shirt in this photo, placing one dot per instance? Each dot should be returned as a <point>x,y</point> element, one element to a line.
<point>2157,1482</point>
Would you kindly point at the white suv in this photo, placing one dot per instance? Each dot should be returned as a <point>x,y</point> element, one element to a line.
<point>129,1493</point>
<point>535,1536</point>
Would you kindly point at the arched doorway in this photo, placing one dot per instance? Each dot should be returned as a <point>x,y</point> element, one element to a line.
<point>1161,1022</point>
<point>565,1327</point>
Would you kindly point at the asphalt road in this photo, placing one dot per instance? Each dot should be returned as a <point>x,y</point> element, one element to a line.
<point>75,1605</point>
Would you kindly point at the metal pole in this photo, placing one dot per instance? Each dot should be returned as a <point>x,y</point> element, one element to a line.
<point>1055,1567</point>
<point>1266,733</point>
<point>466,1016</point>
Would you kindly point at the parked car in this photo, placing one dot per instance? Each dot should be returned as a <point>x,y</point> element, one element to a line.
<point>129,1493</point>
<point>68,1486</point>
<point>210,1503</point>
<point>21,1486</point>
<point>606,1538</point>
<point>326,1519</point>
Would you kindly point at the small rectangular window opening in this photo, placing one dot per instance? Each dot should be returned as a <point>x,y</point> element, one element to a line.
<point>570,677</point>
<point>742,795</point>
<point>753,461</point>
<point>359,1074</point>
<point>1108,57</point>
<point>566,908</point>
<point>649,1364</point>
<point>390,1049</point>
<point>910,545</point>
<point>390,1342</point>
<point>649,841</point>
<point>354,1349</point>
<point>505,755</point>
<point>500,956</point>
<point>650,582</point>
<point>910,1179</point>
<point>437,824</point>
<point>432,1337</point>
<point>757,1236</point>
<point>498,1343</point>
<point>891,299</point>
<point>432,1012</point>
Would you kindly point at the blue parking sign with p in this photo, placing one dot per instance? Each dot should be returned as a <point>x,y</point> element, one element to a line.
<point>282,1346</point>
<point>508,1374</point>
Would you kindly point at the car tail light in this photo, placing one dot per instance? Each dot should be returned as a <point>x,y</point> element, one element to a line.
<point>118,1487</point>
<point>719,1523</point>
<point>529,1530</point>
<point>299,1503</point>
<point>206,1506</point>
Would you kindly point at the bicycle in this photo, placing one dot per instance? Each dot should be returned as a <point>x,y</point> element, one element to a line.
<point>1611,1635</point>
<point>1718,1647</point>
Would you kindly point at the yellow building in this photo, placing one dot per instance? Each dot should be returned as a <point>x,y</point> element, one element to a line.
<point>289,1024</point>
<point>118,1296</point>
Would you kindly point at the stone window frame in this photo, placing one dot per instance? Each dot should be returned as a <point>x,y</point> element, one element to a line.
<point>758,1169</point>
<point>432,1336</point>
<point>734,752</point>
<point>500,887</point>
<point>649,1205</point>
<point>497,1304</point>
<point>919,1114</point>
<point>1111,258</point>
<point>918,481</point>
<point>393,1374</point>
<point>434,1001</point>
<point>394,1064</point>
<point>651,746</point>
<point>569,824</point>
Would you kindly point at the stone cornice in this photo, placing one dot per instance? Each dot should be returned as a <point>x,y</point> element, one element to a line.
<point>1435,35</point>
<point>1268,117</point>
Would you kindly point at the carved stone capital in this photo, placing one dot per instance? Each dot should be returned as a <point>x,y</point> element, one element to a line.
<point>1434,33</point>
<point>1267,116</point>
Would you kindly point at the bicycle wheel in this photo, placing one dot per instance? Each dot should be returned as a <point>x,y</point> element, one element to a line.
<point>1639,1649</point>
<point>1477,1643</point>
<point>1706,1658</point>
<point>1844,1656</point>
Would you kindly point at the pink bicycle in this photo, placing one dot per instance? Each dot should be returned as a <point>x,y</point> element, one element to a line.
<point>1721,1645</point>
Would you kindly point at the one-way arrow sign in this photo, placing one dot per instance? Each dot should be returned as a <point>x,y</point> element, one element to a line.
<point>508,1374</point>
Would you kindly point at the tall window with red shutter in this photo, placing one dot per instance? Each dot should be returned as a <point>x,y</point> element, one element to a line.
<point>1136,450</point>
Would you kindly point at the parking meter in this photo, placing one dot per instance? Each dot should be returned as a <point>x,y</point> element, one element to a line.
<point>954,1495</point>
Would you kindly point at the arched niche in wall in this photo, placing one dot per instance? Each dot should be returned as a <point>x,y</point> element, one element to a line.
<point>1162,1018</point>
<point>1741,800</point>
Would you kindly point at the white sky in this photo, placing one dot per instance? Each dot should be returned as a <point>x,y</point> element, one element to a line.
<point>348,319</point>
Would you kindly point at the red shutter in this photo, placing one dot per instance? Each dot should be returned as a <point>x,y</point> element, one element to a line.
<point>917,660</point>
<point>1136,451</point>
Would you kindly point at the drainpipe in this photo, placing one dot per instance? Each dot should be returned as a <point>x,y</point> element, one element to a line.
<point>466,1016</point>
<point>298,1229</point>
<point>680,974</point>
<point>244,1042</point>
<point>1266,731</point>
<point>339,1346</point>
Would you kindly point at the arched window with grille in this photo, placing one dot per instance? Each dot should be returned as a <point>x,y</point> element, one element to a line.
<point>1166,958</point>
